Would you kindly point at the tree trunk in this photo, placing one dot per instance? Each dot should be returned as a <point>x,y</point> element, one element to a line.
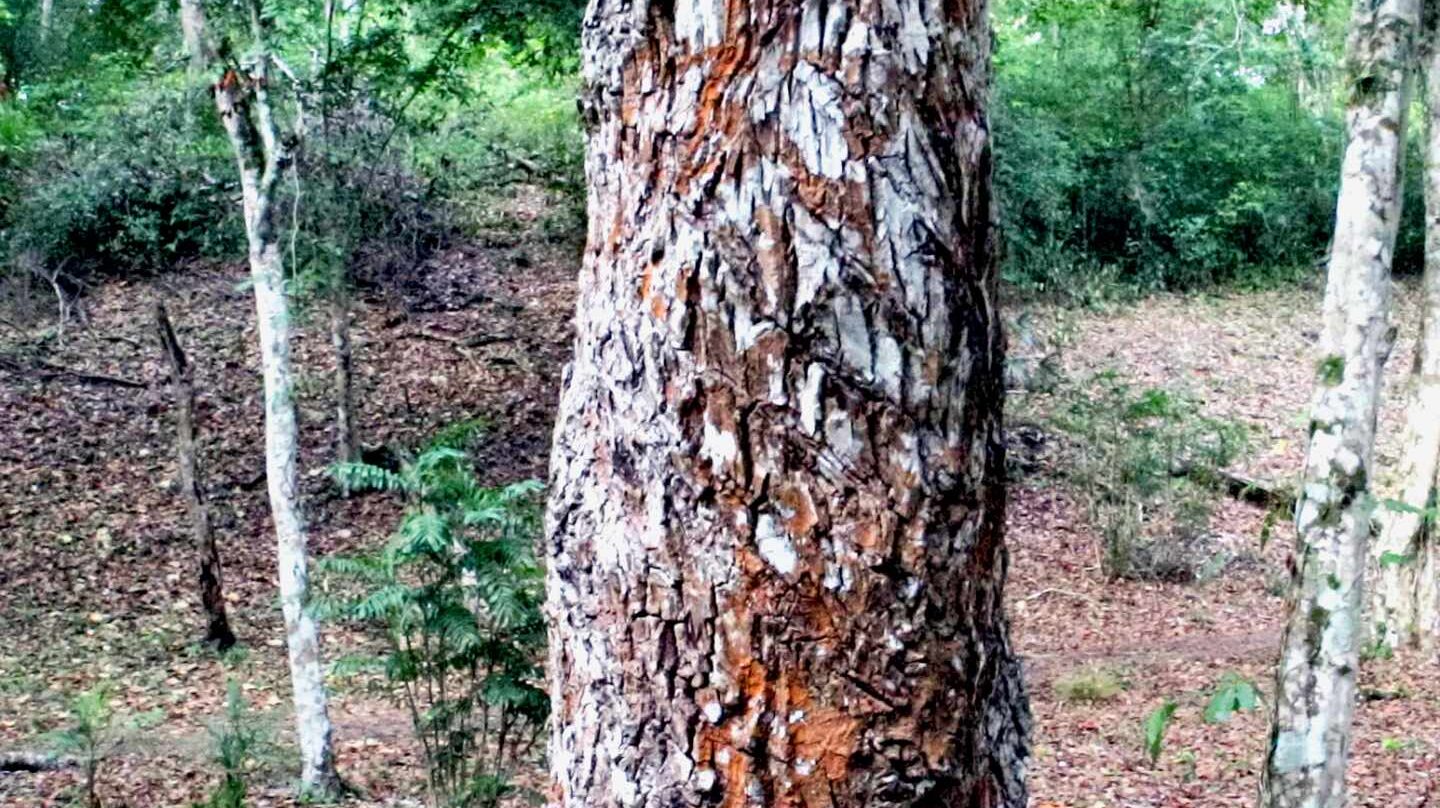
<point>775,533</point>
<point>195,33</point>
<point>217,630</point>
<point>1314,706</point>
<point>47,21</point>
<point>347,442</point>
<point>1406,609</point>
<point>244,106</point>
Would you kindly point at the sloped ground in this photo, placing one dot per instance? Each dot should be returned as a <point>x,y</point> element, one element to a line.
<point>1250,359</point>
<point>95,565</point>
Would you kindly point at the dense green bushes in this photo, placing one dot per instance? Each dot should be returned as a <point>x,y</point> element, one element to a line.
<point>1163,145</point>
<point>128,183</point>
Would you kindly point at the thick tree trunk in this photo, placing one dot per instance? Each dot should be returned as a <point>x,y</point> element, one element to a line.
<point>775,529</point>
<point>212,599</point>
<point>1314,706</point>
<point>347,445</point>
<point>1407,612</point>
<point>244,107</point>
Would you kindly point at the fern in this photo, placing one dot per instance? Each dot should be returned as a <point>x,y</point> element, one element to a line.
<point>457,593</point>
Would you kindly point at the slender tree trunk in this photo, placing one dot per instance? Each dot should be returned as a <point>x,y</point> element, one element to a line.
<point>1314,705</point>
<point>775,529</point>
<point>244,106</point>
<point>347,442</point>
<point>195,33</point>
<point>1406,609</point>
<point>47,21</point>
<point>217,630</point>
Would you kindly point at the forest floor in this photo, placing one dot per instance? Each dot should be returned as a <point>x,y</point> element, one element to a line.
<point>95,579</point>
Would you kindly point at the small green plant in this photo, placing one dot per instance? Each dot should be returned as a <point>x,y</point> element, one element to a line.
<point>456,594</point>
<point>88,738</point>
<point>93,736</point>
<point>1235,694</point>
<point>1145,463</point>
<point>237,739</point>
<point>1156,725</point>
<point>1090,685</point>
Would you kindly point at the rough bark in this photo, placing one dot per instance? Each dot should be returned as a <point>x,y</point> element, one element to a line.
<point>1314,706</point>
<point>775,530</point>
<point>212,599</point>
<point>242,99</point>
<point>347,441</point>
<point>1407,598</point>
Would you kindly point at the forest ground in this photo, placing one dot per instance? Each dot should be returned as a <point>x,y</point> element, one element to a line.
<point>95,565</point>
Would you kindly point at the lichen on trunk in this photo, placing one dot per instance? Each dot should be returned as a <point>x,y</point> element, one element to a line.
<point>775,531</point>
<point>1319,657</point>
<point>1406,559</point>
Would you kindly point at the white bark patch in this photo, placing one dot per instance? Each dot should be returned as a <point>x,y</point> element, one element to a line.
<point>815,251</point>
<point>775,545</point>
<point>700,23</point>
<point>812,117</point>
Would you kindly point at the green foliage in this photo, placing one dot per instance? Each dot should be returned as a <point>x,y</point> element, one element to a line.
<point>1156,725</point>
<point>237,738</point>
<point>1089,686</point>
<point>516,125</point>
<point>92,735</point>
<point>1147,145</point>
<point>1144,461</point>
<point>1235,694</point>
<point>127,181</point>
<point>457,593</point>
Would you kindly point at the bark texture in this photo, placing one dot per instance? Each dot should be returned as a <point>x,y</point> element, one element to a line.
<point>212,599</point>
<point>1407,593</point>
<point>242,99</point>
<point>775,531</point>
<point>1314,706</point>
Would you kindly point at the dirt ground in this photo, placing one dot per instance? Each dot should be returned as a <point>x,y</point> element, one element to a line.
<point>95,564</point>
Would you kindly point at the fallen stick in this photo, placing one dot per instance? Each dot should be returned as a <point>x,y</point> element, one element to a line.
<point>47,371</point>
<point>34,762</point>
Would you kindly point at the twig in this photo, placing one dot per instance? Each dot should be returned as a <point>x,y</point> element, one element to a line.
<point>34,762</point>
<point>1053,591</point>
<point>46,371</point>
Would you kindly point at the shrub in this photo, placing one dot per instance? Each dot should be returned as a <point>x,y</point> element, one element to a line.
<point>1124,157</point>
<point>1144,463</point>
<point>1089,685</point>
<point>133,184</point>
<point>237,738</point>
<point>457,595</point>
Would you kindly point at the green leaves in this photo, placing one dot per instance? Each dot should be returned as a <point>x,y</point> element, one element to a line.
<point>1235,694</point>
<point>457,592</point>
<point>1156,725</point>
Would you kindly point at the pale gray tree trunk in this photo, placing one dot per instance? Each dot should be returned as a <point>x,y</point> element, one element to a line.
<point>187,451</point>
<point>347,440</point>
<point>775,534</point>
<point>47,21</point>
<point>242,99</point>
<point>1407,598</point>
<point>196,35</point>
<point>1319,658</point>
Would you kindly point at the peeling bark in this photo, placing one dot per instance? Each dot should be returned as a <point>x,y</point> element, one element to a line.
<point>212,599</point>
<point>775,530</point>
<point>1319,658</point>
<point>1407,594</point>
<point>242,99</point>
